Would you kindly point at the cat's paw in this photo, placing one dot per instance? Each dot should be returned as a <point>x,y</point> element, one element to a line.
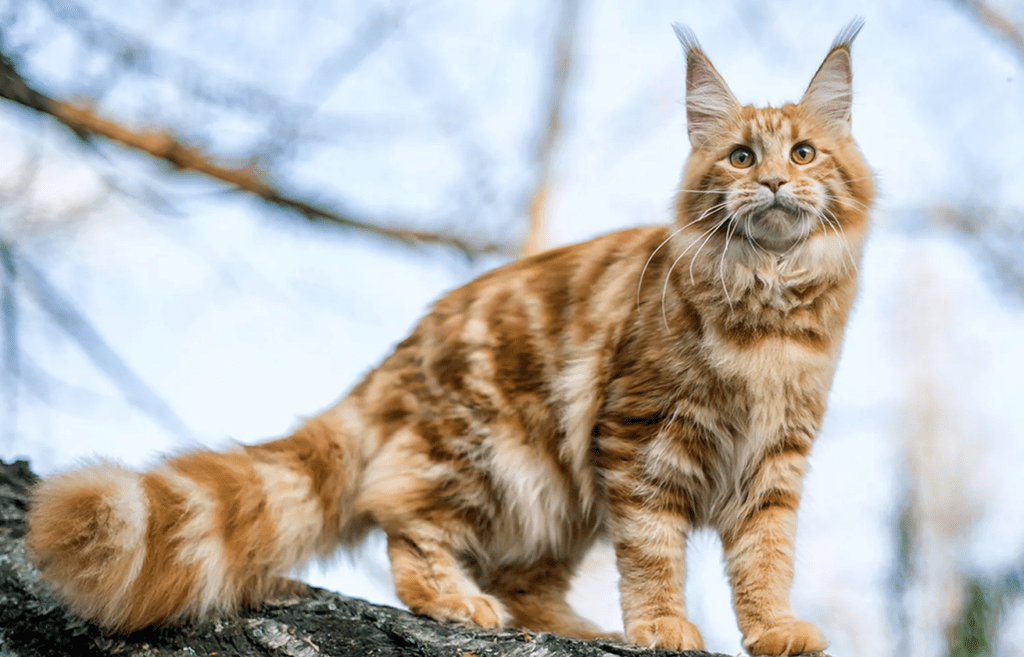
<point>483,610</point>
<point>283,587</point>
<point>671,632</point>
<point>793,637</point>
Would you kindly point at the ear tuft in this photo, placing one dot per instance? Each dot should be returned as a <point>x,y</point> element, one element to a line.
<point>709,103</point>
<point>846,35</point>
<point>830,94</point>
<point>686,37</point>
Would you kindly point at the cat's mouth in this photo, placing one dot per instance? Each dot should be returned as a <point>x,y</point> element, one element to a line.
<point>777,225</point>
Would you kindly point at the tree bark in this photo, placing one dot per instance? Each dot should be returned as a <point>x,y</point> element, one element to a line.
<point>33,622</point>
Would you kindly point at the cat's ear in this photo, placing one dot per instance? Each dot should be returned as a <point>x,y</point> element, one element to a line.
<point>830,94</point>
<point>709,103</point>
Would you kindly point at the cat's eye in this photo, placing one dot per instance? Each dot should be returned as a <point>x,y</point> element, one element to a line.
<point>803,154</point>
<point>742,158</point>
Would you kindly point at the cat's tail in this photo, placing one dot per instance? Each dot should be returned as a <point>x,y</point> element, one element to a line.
<point>203,531</point>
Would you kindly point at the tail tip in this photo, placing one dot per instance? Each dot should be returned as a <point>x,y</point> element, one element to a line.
<point>87,535</point>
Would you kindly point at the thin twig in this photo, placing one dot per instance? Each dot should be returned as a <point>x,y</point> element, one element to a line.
<point>565,38</point>
<point>9,368</point>
<point>74,324</point>
<point>162,145</point>
<point>996,22</point>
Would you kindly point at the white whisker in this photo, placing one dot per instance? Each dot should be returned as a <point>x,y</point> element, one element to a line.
<point>721,265</point>
<point>837,226</point>
<point>643,272</point>
<point>640,284</point>
<point>850,202</point>
<point>704,191</point>
<point>710,233</point>
<point>664,288</point>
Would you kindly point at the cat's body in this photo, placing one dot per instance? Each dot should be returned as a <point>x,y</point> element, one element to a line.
<point>639,385</point>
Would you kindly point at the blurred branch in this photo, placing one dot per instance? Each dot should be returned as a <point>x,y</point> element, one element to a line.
<point>996,22</point>
<point>133,53</point>
<point>975,632</point>
<point>451,112</point>
<point>161,145</point>
<point>997,233</point>
<point>78,328</point>
<point>326,77</point>
<point>565,39</point>
<point>10,366</point>
<point>904,573</point>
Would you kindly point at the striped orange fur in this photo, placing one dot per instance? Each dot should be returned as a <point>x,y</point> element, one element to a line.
<point>638,386</point>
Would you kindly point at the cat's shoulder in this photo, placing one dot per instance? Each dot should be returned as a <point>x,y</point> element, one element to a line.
<point>563,260</point>
<point>551,281</point>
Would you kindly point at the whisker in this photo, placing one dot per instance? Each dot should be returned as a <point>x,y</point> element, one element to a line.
<point>851,202</point>
<point>710,233</point>
<point>847,180</point>
<point>640,284</point>
<point>721,265</point>
<point>668,277</point>
<point>837,227</point>
<point>664,290</point>
<point>654,253</point>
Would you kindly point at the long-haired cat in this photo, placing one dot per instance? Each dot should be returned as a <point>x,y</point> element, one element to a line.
<point>638,386</point>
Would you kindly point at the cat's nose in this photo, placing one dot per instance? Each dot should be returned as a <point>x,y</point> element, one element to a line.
<point>773,183</point>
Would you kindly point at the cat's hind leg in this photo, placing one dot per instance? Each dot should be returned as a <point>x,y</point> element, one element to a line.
<point>430,580</point>
<point>535,595</point>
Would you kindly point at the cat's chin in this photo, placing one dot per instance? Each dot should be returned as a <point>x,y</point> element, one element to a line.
<point>776,229</point>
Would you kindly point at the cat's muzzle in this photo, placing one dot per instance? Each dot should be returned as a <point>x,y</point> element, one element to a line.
<point>776,226</point>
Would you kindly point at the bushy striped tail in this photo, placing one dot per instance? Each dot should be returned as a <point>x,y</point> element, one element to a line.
<point>205,531</point>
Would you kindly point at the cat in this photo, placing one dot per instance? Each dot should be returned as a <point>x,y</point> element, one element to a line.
<point>635,386</point>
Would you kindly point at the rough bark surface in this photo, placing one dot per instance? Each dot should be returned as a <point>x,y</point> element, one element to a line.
<point>33,623</point>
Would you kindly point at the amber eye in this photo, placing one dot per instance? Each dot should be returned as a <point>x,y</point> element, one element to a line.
<point>742,158</point>
<point>803,154</point>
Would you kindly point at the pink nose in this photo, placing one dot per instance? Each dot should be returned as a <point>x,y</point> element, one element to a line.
<point>773,183</point>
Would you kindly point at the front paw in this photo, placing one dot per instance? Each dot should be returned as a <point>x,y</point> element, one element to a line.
<point>671,632</point>
<point>793,637</point>
<point>482,610</point>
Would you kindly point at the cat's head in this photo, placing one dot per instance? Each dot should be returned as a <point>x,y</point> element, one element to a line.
<point>775,178</point>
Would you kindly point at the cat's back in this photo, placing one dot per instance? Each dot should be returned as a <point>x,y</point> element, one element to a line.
<point>518,326</point>
<point>492,397</point>
<point>554,285</point>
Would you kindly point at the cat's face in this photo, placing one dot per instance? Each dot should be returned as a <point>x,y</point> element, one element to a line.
<point>776,177</point>
<point>777,171</point>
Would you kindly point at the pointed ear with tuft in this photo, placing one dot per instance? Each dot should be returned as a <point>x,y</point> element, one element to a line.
<point>709,103</point>
<point>830,94</point>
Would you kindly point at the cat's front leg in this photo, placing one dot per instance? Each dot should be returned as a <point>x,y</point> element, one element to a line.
<point>650,549</point>
<point>759,560</point>
<point>649,534</point>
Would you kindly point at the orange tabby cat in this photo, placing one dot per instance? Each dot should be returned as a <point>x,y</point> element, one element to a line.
<point>639,385</point>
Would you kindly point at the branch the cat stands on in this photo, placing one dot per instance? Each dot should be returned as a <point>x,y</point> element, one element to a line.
<point>636,386</point>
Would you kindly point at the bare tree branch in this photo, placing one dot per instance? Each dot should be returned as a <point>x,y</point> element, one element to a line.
<point>77,327</point>
<point>997,234</point>
<point>10,366</point>
<point>325,78</point>
<point>565,38</point>
<point>976,631</point>
<point>133,53</point>
<point>162,145</point>
<point>996,22</point>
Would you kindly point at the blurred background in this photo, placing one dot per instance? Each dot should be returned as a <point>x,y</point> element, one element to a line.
<point>214,217</point>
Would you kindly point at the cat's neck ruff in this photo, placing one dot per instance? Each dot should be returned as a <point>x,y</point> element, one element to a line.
<point>735,265</point>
